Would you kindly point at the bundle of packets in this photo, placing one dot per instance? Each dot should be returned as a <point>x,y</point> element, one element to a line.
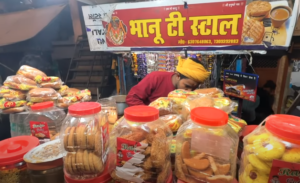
<point>12,100</point>
<point>48,82</point>
<point>73,98</point>
<point>162,62</point>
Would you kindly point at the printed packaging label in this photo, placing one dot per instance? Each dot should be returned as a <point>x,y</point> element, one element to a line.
<point>39,129</point>
<point>284,172</point>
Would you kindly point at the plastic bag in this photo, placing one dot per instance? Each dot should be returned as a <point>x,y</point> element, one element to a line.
<point>164,105</point>
<point>213,92</point>
<point>12,107</point>
<point>42,95</point>
<point>236,123</point>
<point>174,121</point>
<point>65,102</point>
<point>48,82</point>
<point>179,96</point>
<point>15,95</point>
<point>81,96</point>
<point>19,82</point>
<point>147,140</point>
<point>66,91</point>
<point>267,146</point>
<point>4,90</point>
<point>30,72</point>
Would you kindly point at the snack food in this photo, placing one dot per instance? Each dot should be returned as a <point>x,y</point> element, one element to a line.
<point>48,82</point>
<point>14,95</point>
<point>19,82</point>
<point>164,105</point>
<point>213,92</point>
<point>66,91</point>
<point>253,32</point>
<point>4,90</point>
<point>280,134</point>
<point>8,107</point>
<point>86,140</point>
<point>42,95</point>
<point>258,10</point>
<point>179,96</point>
<point>147,139</point>
<point>174,121</point>
<point>30,72</point>
<point>212,161</point>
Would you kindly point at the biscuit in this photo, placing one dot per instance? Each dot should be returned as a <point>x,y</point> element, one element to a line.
<point>86,161</point>
<point>66,136</point>
<point>79,161</point>
<point>185,150</point>
<point>163,175</point>
<point>199,156</point>
<point>91,162</point>
<point>71,139</point>
<point>258,9</point>
<point>81,135</point>
<point>201,164</point>
<point>223,169</point>
<point>185,169</point>
<point>91,139</point>
<point>98,164</point>
<point>68,164</point>
<point>98,143</point>
<point>73,163</point>
<point>180,174</point>
<point>147,151</point>
<point>213,165</point>
<point>220,179</point>
<point>253,32</point>
<point>201,174</point>
<point>158,154</point>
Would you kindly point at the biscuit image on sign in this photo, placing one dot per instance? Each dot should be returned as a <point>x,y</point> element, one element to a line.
<point>258,10</point>
<point>253,32</point>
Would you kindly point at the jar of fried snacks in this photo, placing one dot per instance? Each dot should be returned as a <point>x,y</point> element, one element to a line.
<point>140,147</point>
<point>206,147</point>
<point>272,152</point>
<point>84,137</point>
<point>12,167</point>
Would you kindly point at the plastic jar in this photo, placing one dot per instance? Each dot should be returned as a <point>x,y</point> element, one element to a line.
<point>44,121</point>
<point>84,135</point>
<point>206,147</point>
<point>45,164</point>
<point>279,140</point>
<point>140,147</point>
<point>12,167</point>
<point>109,106</point>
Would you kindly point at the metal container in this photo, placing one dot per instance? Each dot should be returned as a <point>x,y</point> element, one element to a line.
<point>121,103</point>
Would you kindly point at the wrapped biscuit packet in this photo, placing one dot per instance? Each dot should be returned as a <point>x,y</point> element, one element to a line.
<point>179,96</point>
<point>213,92</point>
<point>7,107</point>
<point>174,121</point>
<point>30,72</point>
<point>66,91</point>
<point>48,82</point>
<point>164,105</point>
<point>147,139</point>
<point>15,95</point>
<point>4,90</point>
<point>42,95</point>
<point>19,82</point>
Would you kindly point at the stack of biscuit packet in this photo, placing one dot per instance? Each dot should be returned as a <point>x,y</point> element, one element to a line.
<point>84,135</point>
<point>30,86</point>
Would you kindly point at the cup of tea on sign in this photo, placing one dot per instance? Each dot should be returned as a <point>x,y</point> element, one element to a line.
<point>279,15</point>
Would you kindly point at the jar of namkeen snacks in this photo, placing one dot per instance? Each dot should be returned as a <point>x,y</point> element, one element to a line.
<point>84,136</point>
<point>206,148</point>
<point>140,147</point>
<point>12,167</point>
<point>277,141</point>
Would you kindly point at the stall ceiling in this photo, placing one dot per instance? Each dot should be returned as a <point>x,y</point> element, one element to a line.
<point>24,25</point>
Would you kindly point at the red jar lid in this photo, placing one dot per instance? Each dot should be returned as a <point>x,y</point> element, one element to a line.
<point>103,178</point>
<point>141,113</point>
<point>209,116</point>
<point>284,126</point>
<point>13,149</point>
<point>85,108</point>
<point>43,105</point>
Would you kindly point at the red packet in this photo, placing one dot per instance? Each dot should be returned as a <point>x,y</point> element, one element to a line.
<point>284,172</point>
<point>39,129</point>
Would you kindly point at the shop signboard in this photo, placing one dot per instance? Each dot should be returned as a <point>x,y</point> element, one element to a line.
<point>240,85</point>
<point>194,25</point>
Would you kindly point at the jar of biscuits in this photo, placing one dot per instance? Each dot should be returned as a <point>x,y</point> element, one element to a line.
<point>44,121</point>
<point>140,147</point>
<point>272,151</point>
<point>109,106</point>
<point>84,137</point>
<point>206,147</point>
<point>12,167</point>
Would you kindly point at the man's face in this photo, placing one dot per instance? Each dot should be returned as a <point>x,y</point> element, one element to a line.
<point>187,84</point>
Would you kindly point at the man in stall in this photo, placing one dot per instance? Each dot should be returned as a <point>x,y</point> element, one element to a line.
<point>189,74</point>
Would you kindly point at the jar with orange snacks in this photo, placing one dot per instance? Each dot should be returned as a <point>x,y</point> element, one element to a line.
<point>84,137</point>
<point>274,145</point>
<point>140,147</point>
<point>206,148</point>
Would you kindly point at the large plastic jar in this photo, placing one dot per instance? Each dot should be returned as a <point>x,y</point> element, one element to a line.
<point>206,147</point>
<point>12,167</point>
<point>84,137</point>
<point>278,140</point>
<point>44,121</point>
<point>140,147</point>
<point>109,106</point>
